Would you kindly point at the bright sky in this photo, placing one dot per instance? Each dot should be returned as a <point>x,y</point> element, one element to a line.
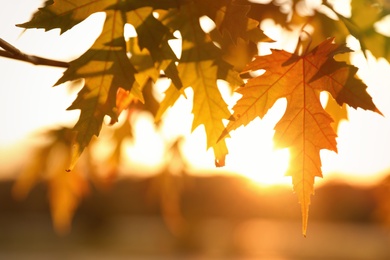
<point>28,102</point>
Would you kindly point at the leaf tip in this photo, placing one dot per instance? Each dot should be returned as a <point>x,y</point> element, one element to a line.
<point>304,222</point>
<point>75,155</point>
<point>71,166</point>
<point>304,200</point>
<point>379,112</point>
<point>219,163</point>
<point>224,133</point>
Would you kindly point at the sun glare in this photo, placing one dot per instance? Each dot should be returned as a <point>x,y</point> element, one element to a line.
<point>252,152</point>
<point>253,156</point>
<point>146,150</point>
<point>251,149</point>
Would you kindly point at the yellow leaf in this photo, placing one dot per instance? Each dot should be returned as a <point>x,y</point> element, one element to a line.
<point>363,26</point>
<point>171,95</point>
<point>65,192</point>
<point>142,62</point>
<point>105,68</point>
<point>30,174</point>
<point>66,189</point>
<point>338,113</point>
<point>65,14</point>
<point>209,108</point>
<point>200,66</point>
<point>153,36</point>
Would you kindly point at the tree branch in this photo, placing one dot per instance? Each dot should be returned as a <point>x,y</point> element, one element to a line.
<point>9,51</point>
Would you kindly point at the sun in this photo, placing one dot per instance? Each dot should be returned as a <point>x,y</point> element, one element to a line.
<point>252,153</point>
<point>263,165</point>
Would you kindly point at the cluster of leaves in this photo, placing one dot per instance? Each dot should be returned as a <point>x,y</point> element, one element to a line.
<point>116,71</point>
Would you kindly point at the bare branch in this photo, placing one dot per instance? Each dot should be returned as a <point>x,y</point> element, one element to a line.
<point>9,51</point>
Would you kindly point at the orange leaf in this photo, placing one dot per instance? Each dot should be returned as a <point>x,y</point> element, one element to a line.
<point>305,127</point>
<point>66,189</point>
<point>123,100</point>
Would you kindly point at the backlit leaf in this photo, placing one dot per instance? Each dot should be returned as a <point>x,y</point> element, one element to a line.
<point>362,25</point>
<point>231,16</point>
<point>154,36</point>
<point>66,189</point>
<point>305,128</point>
<point>105,67</point>
<point>200,66</point>
<point>337,112</point>
<point>65,14</point>
<point>142,62</point>
<point>171,96</point>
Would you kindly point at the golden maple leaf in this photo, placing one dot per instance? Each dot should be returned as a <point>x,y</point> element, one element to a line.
<point>200,66</point>
<point>305,128</point>
<point>105,67</point>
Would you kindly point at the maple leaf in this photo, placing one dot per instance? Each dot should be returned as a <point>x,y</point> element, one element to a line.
<point>305,128</point>
<point>271,10</point>
<point>31,174</point>
<point>238,53</point>
<point>64,14</point>
<point>172,94</point>
<point>105,67</point>
<point>66,190</point>
<point>200,66</point>
<point>323,25</point>
<point>154,36</point>
<point>362,25</point>
<point>142,62</point>
<point>337,112</point>
<point>231,16</point>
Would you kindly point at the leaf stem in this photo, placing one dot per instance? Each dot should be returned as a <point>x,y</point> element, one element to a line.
<point>9,51</point>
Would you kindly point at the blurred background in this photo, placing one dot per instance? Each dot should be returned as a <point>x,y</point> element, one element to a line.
<point>155,193</point>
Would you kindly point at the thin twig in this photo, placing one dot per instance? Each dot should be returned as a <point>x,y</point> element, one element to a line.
<point>9,51</point>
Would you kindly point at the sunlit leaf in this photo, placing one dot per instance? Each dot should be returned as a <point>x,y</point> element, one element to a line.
<point>237,53</point>
<point>272,10</point>
<point>305,128</point>
<point>154,36</point>
<point>362,25</point>
<point>66,189</point>
<point>105,67</point>
<point>200,66</point>
<point>170,98</point>
<point>231,16</point>
<point>31,174</point>
<point>337,112</point>
<point>65,14</point>
<point>142,62</point>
